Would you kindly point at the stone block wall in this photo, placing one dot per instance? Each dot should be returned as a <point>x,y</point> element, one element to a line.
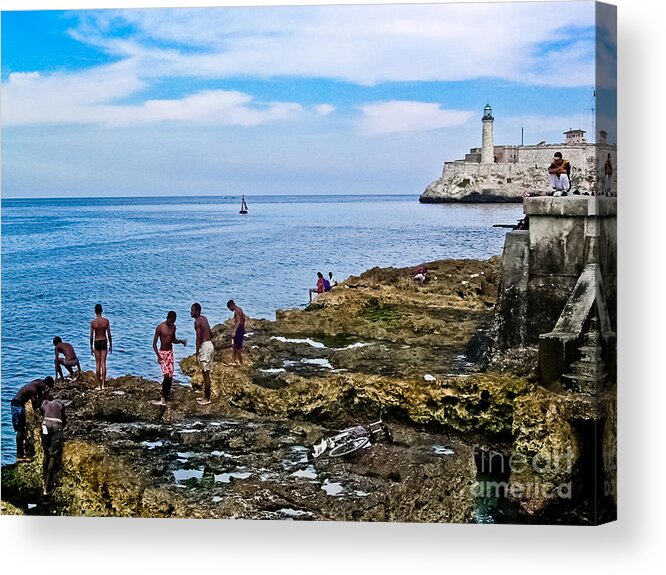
<point>470,181</point>
<point>540,267</point>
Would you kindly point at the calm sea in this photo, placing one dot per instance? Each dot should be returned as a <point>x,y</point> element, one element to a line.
<point>140,257</point>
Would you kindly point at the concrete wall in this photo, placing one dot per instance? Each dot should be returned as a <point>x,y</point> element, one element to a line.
<point>565,235</point>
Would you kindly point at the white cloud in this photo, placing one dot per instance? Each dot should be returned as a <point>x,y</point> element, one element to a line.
<point>93,98</point>
<point>30,98</point>
<point>325,109</point>
<point>399,117</point>
<point>217,107</point>
<point>365,45</point>
<point>362,44</point>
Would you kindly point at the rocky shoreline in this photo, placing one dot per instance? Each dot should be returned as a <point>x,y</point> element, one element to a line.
<point>419,354</point>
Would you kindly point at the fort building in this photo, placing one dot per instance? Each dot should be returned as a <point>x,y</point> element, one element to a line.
<point>507,173</point>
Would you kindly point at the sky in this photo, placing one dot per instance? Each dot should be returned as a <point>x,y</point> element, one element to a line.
<point>345,99</point>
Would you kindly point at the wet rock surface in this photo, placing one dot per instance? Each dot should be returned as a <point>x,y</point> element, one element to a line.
<point>170,462</point>
<point>380,343</point>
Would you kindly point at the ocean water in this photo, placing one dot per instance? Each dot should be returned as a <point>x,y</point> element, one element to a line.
<point>141,257</point>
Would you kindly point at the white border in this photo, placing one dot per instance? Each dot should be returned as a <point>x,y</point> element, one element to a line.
<point>632,544</point>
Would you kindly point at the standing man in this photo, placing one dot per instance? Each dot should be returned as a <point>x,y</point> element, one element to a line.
<point>166,333</point>
<point>558,174</point>
<point>69,360</point>
<point>53,422</point>
<point>204,351</point>
<point>239,332</point>
<point>100,344</point>
<point>608,176</point>
<point>33,392</point>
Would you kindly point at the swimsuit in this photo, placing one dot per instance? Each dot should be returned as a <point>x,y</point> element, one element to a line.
<point>100,344</point>
<point>238,336</point>
<point>18,415</point>
<point>206,352</point>
<point>52,440</point>
<point>166,362</point>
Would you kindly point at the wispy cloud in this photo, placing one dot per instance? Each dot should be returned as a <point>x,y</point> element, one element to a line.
<point>399,117</point>
<point>91,98</point>
<point>360,44</point>
<point>364,45</point>
<point>325,109</point>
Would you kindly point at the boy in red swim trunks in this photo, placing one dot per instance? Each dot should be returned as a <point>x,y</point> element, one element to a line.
<point>166,333</point>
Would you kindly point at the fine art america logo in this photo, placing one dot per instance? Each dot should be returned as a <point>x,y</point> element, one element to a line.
<point>523,476</point>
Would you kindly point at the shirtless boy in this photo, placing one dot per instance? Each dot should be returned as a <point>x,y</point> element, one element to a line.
<point>54,420</point>
<point>33,392</point>
<point>69,360</point>
<point>238,333</point>
<point>204,351</point>
<point>100,345</point>
<point>166,333</point>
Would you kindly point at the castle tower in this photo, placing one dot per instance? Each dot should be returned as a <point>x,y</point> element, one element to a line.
<point>487,146</point>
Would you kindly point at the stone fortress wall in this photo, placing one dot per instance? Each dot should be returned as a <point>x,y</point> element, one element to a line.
<point>517,170</point>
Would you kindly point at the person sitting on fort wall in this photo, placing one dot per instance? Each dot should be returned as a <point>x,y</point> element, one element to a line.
<point>558,174</point>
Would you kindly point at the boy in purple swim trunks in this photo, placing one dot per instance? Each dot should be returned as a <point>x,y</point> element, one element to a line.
<point>239,331</point>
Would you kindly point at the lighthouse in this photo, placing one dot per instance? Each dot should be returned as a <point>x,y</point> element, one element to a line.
<point>487,146</point>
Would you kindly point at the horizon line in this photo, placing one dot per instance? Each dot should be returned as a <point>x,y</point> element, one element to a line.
<point>2,197</point>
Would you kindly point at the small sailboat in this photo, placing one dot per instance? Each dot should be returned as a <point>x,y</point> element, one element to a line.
<point>243,209</point>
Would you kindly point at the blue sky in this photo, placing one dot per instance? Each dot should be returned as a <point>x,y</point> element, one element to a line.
<point>292,99</point>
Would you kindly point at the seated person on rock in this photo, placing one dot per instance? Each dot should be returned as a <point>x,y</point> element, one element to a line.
<point>331,280</point>
<point>420,275</point>
<point>320,286</point>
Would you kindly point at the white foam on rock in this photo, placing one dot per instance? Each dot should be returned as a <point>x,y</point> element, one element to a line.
<point>333,489</point>
<point>320,362</point>
<point>185,474</point>
<point>308,473</point>
<point>307,341</point>
<point>152,444</point>
<point>289,512</point>
<point>353,345</point>
<point>217,453</point>
<point>227,477</point>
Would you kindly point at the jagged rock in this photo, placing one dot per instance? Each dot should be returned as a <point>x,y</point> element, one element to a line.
<point>362,350</point>
<point>177,463</point>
